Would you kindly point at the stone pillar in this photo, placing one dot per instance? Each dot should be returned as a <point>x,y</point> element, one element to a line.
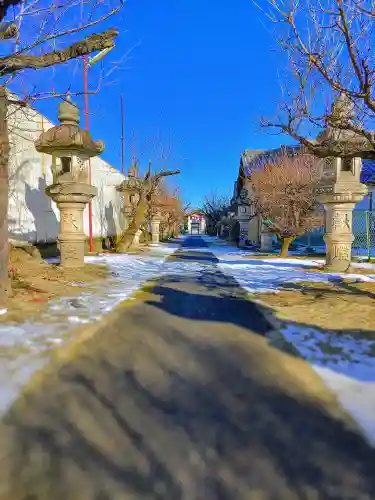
<point>339,236</point>
<point>244,230</point>
<point>155,230</point>
<point>266,241</point>
<point>71,237</point>
<point>137,238</point>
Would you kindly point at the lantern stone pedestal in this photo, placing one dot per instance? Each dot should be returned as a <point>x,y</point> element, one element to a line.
<point>339,200</point>
<point>155,230</point>
<point>244,229</point>
<point>266,241</point>
<point>71,200</point>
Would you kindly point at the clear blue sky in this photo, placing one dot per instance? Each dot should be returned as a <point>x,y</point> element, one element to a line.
<point>203,73</point>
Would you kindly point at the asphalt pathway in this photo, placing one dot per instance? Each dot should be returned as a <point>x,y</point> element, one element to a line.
<point>179,396</point>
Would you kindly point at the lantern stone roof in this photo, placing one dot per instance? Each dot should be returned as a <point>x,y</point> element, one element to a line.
<point>68,137</point>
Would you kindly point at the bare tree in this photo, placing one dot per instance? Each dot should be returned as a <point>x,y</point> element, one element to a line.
<point>329,45</point>
<point>171,209</point>
<point>284,191</point>
<point>145,189</point>
<point>214,205</point>
<point>31,41</point>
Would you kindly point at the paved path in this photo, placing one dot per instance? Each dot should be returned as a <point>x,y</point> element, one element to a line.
<point>182,398</point>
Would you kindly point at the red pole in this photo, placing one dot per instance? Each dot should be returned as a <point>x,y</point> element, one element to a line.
<point>122,135</point>
<point>86,100</point>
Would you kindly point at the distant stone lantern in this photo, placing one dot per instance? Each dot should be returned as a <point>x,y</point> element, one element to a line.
<point>243,215</point>
<point>340,188</point>
<point>156,217</point>
<point>70,189</point>
<point>130,189</point>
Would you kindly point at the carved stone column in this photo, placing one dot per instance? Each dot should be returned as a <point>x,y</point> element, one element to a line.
<point>266,241</point>
<point>244,230</point>
<point>155,229</point>
<point>339,235</point>
<point>71,205</point>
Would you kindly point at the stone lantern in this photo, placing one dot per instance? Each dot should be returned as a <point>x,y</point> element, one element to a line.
<point>130,189</point>
<point>340,188</point>
<point>243,215</point>
<point>155,224</point>
<point>70,189</point>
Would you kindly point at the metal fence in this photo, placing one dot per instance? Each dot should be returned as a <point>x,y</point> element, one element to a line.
<point>363,231</point>
<point>313,238</point>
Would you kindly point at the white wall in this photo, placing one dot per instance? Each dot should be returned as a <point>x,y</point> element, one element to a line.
<point>32,215</point>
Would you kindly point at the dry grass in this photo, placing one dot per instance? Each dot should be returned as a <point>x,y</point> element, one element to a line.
<point>34,283</point>
<point>330,306</point>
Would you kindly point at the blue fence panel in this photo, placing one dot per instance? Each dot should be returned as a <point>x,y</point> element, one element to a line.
<point>363,232</point>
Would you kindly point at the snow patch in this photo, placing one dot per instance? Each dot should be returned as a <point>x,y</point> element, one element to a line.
<point>347,366</point>
<point>357,398</point>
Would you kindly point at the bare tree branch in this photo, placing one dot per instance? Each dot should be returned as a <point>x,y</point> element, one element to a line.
<point>90,44</point>
<point>330,52</point>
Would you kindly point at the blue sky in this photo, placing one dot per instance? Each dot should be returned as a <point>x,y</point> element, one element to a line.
<point>200,75</point>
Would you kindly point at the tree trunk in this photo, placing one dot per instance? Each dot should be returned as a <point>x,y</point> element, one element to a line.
<point>126,239</point>
<point>4,189</point>
<point>286,242</point>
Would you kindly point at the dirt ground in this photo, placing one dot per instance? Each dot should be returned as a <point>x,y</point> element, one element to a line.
<point>34,282</point>
<point>336,305</point>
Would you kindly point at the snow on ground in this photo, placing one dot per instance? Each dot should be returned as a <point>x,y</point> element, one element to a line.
<point>268,274</point>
